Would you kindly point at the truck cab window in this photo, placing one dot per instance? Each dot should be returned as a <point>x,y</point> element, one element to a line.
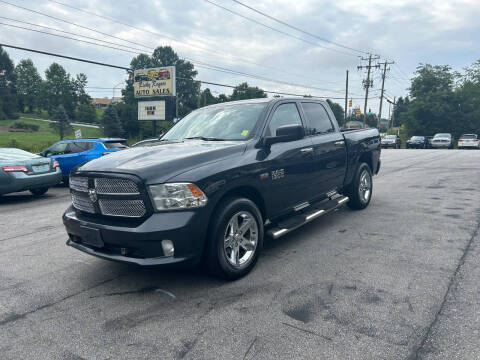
<point>285,114</point>
<point>318,121</point>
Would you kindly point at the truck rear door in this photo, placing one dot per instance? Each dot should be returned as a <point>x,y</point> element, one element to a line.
<point>329,149</point>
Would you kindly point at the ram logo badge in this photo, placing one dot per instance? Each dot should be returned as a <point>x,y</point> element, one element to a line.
<point>278,174</point>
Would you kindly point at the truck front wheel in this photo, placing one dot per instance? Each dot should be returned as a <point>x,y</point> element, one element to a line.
<point>235,238</point>
<point>360,191</point>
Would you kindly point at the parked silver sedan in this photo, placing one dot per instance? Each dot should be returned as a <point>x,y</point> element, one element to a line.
<point>21,170</point>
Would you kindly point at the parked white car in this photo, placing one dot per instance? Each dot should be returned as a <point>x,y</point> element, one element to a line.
<point>442,141</point>
<point>469,141</point>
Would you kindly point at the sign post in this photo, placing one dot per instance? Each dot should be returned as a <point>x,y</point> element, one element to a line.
<point>157,86</point>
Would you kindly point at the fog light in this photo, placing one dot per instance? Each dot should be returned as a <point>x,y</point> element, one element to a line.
<point>123,251</point>
<point>168,249</point>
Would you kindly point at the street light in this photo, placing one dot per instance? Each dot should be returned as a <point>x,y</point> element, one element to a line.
<point>113,92</point>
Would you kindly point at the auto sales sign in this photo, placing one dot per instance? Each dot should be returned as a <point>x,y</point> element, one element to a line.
<point>154,82</point>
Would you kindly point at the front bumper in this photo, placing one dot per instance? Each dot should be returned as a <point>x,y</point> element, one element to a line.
<point>387,145</point>
<point>139,243</point>
<point>441,145</point>
<point>18,181</point>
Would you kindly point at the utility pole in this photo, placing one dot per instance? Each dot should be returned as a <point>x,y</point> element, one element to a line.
<point>346,100</point>
<point>393,112</point>
<point>367,83</point>
<point>383,88</point>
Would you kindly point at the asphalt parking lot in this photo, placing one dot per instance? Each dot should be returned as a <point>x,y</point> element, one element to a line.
<point>398,280</point>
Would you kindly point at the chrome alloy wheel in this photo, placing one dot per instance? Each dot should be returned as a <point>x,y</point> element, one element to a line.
<point>365,186</point>
<point>240,240</point>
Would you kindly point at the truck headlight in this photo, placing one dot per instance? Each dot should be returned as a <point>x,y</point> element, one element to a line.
<point>176,196</point>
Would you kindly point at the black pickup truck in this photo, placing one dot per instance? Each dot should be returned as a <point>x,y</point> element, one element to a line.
<point>220,180</point>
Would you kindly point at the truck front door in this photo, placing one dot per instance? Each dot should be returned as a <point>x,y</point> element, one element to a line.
<point>288,163</point>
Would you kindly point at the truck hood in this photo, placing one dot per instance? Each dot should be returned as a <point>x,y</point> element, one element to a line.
<point>157,164</point>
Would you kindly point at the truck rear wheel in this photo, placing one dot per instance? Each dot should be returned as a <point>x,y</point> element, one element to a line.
<point>360,191</point>
<point>235,238</point>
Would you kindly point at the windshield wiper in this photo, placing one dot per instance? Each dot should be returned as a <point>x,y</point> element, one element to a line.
<point>204,138</point>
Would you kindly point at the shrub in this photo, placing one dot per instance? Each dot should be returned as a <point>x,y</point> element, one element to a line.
<point>25,126</point>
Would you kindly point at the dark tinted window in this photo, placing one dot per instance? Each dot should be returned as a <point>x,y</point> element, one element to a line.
<point>285,114</point>
<point>318,121</point>
<point>115,145</point>
<point>76,147</point>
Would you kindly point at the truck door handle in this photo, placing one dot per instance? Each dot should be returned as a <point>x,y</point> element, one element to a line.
<point>339,143</point>
<point>307,150</point>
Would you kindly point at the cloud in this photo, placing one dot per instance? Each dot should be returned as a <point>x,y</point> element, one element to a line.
<point>407,31</point>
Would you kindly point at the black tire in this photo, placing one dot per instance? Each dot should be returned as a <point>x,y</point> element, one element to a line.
<point>39,191</point>
<point>357,201</point>
<point>216,257</point>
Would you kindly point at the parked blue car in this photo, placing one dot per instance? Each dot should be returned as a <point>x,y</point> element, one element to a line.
<point>70,153</point>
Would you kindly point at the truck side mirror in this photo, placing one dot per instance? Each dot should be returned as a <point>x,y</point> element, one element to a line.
<point>285,133</point>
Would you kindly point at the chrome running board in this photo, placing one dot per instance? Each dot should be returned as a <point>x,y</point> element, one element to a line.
<point>310,214</point>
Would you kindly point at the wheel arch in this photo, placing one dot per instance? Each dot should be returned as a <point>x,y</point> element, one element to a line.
<point>366,157</point>
<point>249,192</point>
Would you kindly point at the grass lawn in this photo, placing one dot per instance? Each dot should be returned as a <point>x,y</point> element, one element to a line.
<point>39,140</point>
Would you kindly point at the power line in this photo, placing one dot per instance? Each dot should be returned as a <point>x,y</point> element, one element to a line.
<point>180,78</point>
<point>298,29</point>
<point>196,62</point>
<point>71,23</point>
<point>196,46</point>
<point>67,32</point>
<point>277,30</point>
<point>67,37</point>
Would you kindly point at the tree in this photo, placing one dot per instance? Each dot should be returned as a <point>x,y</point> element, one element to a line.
<point>337,110</point>
<point>61,122</point>
<point>431,79</point>
<point>86,113</point>
<point>433,106</point>
<point>8,91</point>
<point>79,85</point>
<point>128,119</point>
<point>111,123</point>
<point>29,84</point>
<point>59,90</point>
<point>243,92</point>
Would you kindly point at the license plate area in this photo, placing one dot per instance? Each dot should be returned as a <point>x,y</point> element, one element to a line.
<point>41,168</point>
<point>91,236</point>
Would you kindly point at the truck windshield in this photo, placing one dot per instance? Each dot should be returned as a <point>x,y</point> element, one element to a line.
<point>230,122</point>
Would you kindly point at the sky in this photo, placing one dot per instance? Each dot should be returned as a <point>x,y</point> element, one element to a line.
<point>334,37</point>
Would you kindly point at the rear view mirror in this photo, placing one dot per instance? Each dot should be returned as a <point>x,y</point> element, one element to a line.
<point>285,133</point>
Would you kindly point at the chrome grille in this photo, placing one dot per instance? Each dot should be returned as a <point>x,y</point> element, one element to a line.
<point>126,208</point>
<point>115,186</point>
<point>107,196</point>
<point>79,183</point>
<point>82,202</point>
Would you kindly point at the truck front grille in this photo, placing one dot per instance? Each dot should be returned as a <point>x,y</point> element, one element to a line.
<point>82,203</point>
<point>79,183</point>
<point>110,196</point>
<point>115,186</point>
<point>127,208</point>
